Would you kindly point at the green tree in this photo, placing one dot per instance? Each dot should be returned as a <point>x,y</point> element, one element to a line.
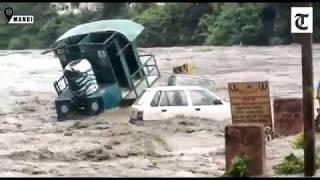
<point>282,21</point>
<point>19,43</point>
<point>233,25</point>
<point>137,8</point>
<point>154,20</point>
<point>172,24</point>
<point>114,11</point>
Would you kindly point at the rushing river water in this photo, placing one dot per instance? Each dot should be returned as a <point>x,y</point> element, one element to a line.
<point>33,143</point>
<point>280,65</point>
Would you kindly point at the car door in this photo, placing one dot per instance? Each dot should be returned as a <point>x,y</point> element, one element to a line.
<point>207,105</point>
<point>151,110</point>
<point>173,103</point>
<point>170,104</point>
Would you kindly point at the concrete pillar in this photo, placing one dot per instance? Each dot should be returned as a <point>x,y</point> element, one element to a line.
<point>249,140</point>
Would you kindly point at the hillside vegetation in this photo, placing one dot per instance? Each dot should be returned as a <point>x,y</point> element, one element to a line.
<point>171,24</point>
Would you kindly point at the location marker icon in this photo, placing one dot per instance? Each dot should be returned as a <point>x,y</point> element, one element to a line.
<point>8,12</point>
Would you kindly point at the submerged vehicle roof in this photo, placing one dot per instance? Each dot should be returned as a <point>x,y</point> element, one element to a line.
<point>126,27</point>
<point>129,29</point>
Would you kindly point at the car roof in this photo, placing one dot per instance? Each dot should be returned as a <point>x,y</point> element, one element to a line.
<point>176,88</point>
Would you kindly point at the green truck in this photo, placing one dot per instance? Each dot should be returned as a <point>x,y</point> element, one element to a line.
<point>101,67</point>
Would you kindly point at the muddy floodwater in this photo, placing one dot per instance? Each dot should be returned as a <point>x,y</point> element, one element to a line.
<point>33,143</point>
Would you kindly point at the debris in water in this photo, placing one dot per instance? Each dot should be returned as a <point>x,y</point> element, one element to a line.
<point>109,147</point>
<point>68,134</point>
<point>20,93</point>
<point>59,131</point>
<point>29,108</point>
<point>79,125</point>
<point>102,126</point>
<point>122,154</point>
<point>116,143</point>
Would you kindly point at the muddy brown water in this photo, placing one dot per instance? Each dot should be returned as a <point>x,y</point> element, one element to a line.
<point>33,143</point>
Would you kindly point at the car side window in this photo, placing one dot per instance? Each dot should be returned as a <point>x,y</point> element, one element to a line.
<point>174,98</point>
<point>156,99</point>
<point>164,99</point>
<point>201,98</point>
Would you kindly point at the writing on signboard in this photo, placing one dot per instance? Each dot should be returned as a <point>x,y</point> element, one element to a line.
<point>250,102</point>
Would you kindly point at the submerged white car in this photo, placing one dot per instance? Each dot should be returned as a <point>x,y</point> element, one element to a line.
<point>165,102</point>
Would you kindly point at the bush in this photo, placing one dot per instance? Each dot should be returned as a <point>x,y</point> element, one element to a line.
<point>298,141</point>
<point>293,165</point>
<point>239,167</point>
<point>290,165</point>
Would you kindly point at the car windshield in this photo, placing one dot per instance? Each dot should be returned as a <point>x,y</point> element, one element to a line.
<point>192,81</point>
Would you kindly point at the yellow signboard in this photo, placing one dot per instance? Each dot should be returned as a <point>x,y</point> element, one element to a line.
<point>250,102</point>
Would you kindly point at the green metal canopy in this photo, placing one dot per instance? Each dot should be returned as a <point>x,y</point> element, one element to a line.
<point>126,27</point>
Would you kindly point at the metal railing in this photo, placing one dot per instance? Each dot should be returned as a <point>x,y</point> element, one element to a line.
<point>144,76</point>
<point>154,65</point>
<point>57,85</point>
<point>141,71</point>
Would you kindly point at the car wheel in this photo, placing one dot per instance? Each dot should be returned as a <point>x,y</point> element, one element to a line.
<point>136,122</point>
